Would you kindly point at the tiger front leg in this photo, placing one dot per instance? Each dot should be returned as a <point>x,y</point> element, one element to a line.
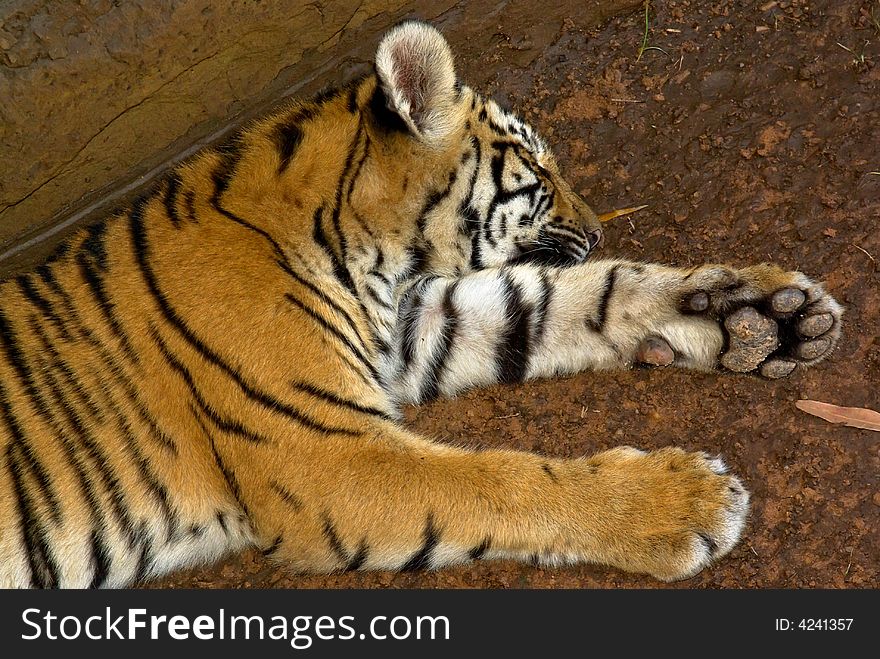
<point>522,322</point>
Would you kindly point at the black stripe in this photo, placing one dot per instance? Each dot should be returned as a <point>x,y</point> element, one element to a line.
<point>326,299</point>
<point>418,259</point>
<point>598,324</point>
<point>434,373</point>
<point>545,200</point>
<point>409,326</point>
<point>93,278</point>
<point>498,130</point>
<point>353,97</point>
<point>357,170</point>
<point>189,202</point>
<point>86,439</point>
<point>233,427</point>
<point>221,516</point>
<point>320,237</point>
<point>549,472</point>
<point>564,234</point>
<point>710,543</point>
<point>376,298</point>
<point>327,94</point>
<point>42,477</point>
<point>540,314</point>
<point>340,269</point>
<point>361,357</point>
<point>330,397</point>
<point>288,136</point>
<point>287,496</point>
<point>479,551</point>
<point>101,560</point>
<point>171,193</point>
<point>21,364</point>
<point>46,273</point>
<point>228,475</point>
<point>422,558</point>
<point>145,560</point>
<point>139,241</point>
<point>29,290</point>
<point>94,244</point>
<point>515,343</point>
<point>362,223</point>
<point>360,557</point>
<point>271,549</point>
<point>329,531</point>
<point>471,220</point>
<point>434,199</point>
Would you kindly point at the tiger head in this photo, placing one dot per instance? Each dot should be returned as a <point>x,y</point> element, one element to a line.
<point>496,195</point>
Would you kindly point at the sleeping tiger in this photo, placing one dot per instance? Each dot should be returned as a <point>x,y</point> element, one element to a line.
<point>223,364</point>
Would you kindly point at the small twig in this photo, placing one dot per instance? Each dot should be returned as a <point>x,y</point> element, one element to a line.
<point>620,212</point>
<point>660,49</point>
<point>506,416</point>
<point>849,565</point>
<point>844,47</point>
<point>865,251</point>
<point>753,551</point>
<point>626,100</point>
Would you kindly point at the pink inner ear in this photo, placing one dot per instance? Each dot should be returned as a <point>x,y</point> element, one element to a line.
<point>409,79</point>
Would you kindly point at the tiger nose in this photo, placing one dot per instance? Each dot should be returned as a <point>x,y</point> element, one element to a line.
<point>595,239</point>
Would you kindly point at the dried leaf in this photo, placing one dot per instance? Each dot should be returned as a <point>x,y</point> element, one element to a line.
<point>610,215</point>
<point>856,417</point>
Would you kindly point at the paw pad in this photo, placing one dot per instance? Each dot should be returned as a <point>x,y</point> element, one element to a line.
<point>753,336</point>
<point>777,368</point>
<point>655,351</point>
<point>788,300</point>
<point>813,326</point>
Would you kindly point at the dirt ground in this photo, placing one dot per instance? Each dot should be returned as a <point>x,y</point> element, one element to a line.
<point>752,134</point>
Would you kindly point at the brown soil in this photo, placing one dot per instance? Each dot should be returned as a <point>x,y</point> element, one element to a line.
<point>752,136</point>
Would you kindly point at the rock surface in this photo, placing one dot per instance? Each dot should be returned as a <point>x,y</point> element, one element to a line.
<point>98,97</point>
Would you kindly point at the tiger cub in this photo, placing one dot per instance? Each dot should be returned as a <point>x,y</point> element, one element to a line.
<point>222,365</point>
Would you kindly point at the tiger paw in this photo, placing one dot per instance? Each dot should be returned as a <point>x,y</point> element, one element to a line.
<point>774,321</point>
<point>689,511</point>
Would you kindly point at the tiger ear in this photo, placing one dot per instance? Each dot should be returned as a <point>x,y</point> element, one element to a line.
<point>417,74</point>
